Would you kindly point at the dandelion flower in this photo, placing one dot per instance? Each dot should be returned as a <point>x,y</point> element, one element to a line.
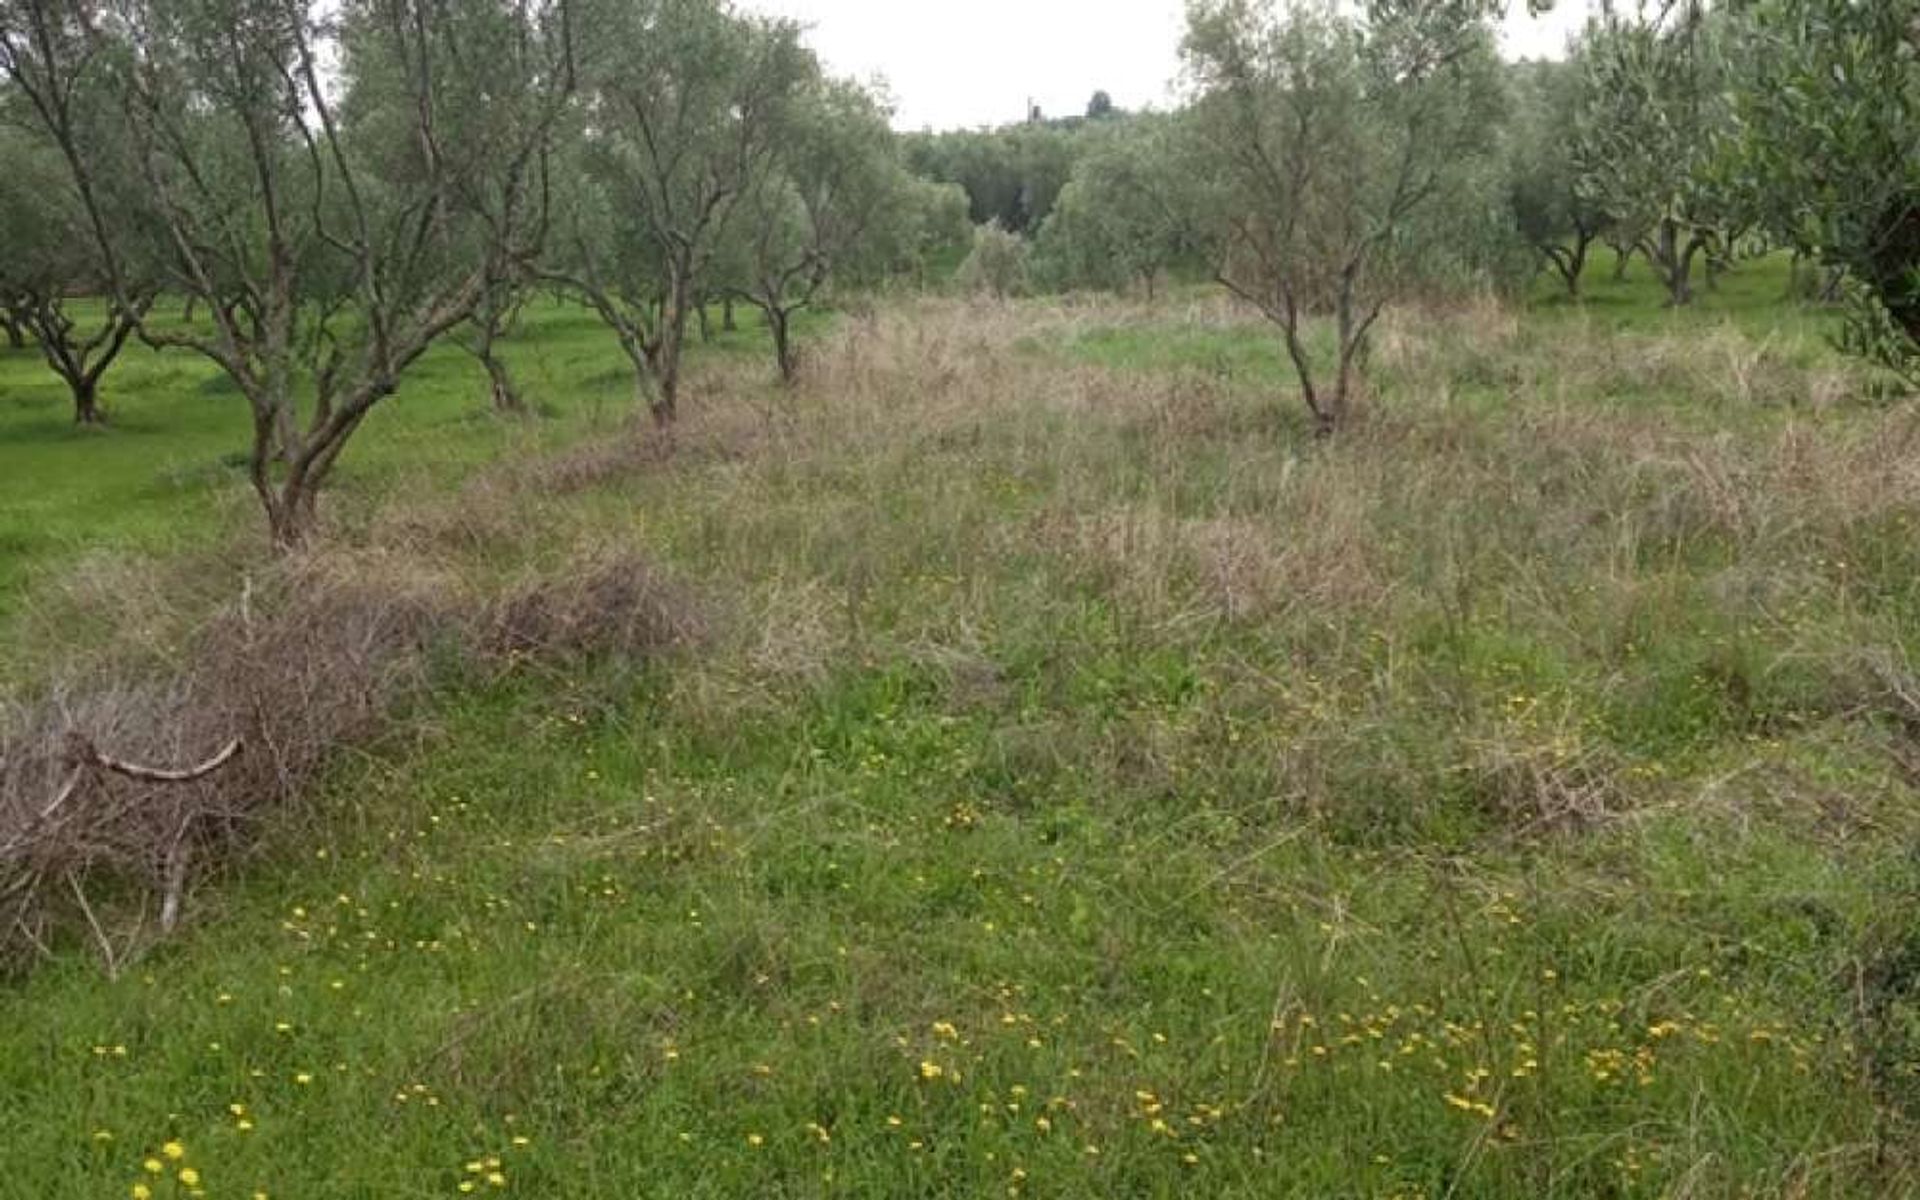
<point>174,1150</point>
<point>141,1191</point>
<point>189,1177</point>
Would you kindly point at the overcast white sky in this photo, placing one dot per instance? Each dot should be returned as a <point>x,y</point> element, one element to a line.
<point>975,62</point>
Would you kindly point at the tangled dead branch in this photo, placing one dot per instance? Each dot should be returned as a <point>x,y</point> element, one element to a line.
<point>314,658</point>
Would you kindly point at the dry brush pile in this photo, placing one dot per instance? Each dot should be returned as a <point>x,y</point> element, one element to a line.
<point>122,785</point>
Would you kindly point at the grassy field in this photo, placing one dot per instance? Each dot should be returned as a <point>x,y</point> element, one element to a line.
<point>1086,785</point>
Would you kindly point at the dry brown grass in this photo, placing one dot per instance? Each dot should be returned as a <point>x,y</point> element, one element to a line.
<point>612,604</point>
<point>1169,490</point>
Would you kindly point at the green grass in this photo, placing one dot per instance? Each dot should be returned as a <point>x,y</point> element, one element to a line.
<point>642,946</point>
<point>179,433</point>
<point>1092,787</point>
<point>1753,296</point>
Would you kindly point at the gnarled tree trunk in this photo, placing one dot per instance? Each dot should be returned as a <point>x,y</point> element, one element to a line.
<point>780,325</point>
<point>1894,270</point>
<point>1570,262</point>
<point>1672,251</point>
<point>80,362</point>
<point>504,395</point>
<point>86,400</point>
<point>667,353</point>
<point>1622,259</point>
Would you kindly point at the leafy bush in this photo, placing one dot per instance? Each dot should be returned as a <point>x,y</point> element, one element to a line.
<point>998,263</point>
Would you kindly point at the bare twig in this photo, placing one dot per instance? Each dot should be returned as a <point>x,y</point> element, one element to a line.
<point>81,752</point>
<point>107,956</point>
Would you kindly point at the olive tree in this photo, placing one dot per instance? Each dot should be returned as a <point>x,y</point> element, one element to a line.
<point>339,183</point>
<point>934,230</point>
<point>51,277</point>
<point>825,207</point>
<point>492,318</point>
<point>509,211</point>
<point>1326,138</point>
<point>1829,149</point>
<point>998,262</point>
<point>684,104</point>
<point>1121,218</point>
<point>1655,122</point>
<point>1551,211</point>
